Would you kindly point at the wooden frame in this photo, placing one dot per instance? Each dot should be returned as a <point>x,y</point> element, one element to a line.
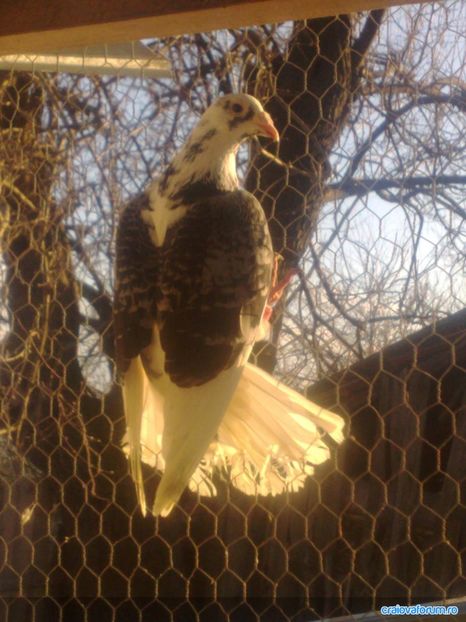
<point>44,25</point>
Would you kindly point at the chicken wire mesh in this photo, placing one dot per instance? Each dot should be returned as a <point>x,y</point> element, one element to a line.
<point>365,198</point>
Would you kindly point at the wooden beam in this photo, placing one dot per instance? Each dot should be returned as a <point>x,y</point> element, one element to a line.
<point>44,25</point>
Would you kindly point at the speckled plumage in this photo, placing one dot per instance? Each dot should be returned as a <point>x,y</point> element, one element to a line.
<point>137,290</point>
<point>215,276</point>
<point>205,288</point>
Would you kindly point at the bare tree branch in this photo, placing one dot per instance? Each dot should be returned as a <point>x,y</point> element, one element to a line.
<point>361,187</point>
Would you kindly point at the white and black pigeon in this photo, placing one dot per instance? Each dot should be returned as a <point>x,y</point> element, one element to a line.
<point>193,279</point>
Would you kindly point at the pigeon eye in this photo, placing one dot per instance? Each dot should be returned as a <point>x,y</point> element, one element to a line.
<point>237,108</point>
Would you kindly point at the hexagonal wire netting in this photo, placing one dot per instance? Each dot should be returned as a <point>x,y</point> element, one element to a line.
<point>365,195</point>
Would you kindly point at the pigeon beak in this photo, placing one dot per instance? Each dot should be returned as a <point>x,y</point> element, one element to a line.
<point>266,127</point>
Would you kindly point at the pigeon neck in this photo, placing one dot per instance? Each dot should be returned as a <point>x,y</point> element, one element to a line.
<point>209,155</point>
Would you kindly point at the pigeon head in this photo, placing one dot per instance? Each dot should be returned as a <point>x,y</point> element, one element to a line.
<point>242,116</point>
<point>210,151</point>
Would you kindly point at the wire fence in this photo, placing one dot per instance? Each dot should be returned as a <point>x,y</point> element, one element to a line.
<point>365,198</point>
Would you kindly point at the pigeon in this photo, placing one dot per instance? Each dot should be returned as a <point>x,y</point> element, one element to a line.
<point>195,283</point>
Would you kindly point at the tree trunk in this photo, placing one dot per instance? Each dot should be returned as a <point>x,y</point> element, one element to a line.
<point>309,89</point>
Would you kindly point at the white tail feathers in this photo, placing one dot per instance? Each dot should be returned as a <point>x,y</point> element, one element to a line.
<point>272,436</point>
<point>135,394</point>
<point>267,442</point>
<point>191,418</point>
